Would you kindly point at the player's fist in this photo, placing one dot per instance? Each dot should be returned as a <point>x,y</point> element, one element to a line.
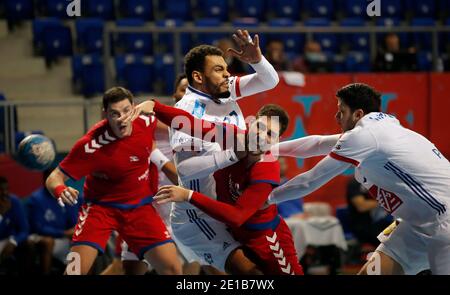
<point>66,195</point>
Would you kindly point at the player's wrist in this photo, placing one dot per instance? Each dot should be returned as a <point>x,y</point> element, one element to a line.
<point>190,195</point>
<point>158,158</point>
<point>57,191</point>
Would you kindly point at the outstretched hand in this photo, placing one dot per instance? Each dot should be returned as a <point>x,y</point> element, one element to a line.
<point>250,51</point>
<point>145,108</point>
<point>171,193</point>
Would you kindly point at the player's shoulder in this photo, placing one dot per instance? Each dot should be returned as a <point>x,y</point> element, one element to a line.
<point>144,121</point>
<point>267,169</point>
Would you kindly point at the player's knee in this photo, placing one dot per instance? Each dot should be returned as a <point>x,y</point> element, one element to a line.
<point>47,243</point>
<point>172,268</point>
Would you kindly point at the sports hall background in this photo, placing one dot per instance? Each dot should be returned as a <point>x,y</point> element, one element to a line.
<point>52,66</point>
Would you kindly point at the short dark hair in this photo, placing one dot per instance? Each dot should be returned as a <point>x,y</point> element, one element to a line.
<point>178,81</point>
<point>274,110</point>
<point>360,96</point>
<point>195,59</point>
<point>116,94</point>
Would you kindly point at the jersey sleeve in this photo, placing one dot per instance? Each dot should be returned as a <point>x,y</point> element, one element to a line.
<point>265,172</point>
<point>354,146</point>
<point>80,160</point>
<point>264,78</point>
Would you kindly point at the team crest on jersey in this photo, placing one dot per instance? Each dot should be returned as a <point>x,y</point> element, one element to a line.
<point>388,200</point>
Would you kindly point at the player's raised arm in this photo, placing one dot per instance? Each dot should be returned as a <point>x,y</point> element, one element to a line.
<point>306,147</point>
<point>307,182</point>
<point>265,77</point>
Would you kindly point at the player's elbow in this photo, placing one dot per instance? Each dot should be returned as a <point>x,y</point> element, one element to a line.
<point>272,83</point>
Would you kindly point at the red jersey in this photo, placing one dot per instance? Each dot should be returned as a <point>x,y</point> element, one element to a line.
<point>116,169</point>
<point>242,192</point>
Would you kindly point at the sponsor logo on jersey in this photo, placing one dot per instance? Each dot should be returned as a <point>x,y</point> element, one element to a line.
<point>134,159</point>
<point>388,200</point>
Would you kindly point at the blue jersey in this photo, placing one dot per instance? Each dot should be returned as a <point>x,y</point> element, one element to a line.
<point>14,222</point>
<point>47,217</point>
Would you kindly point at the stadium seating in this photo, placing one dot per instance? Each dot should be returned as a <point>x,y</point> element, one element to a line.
<point>424,61</point>
<point>328,41</point>
<point>165,67</point>
<point>319,8</point>
<point>89,34</point>
<point>141,43</point>
<point>357,41</point>
<point>137,72</point>
<point>166,40</point>
<point>422,40</point>
<point>138,9</point>
<point>56,8</point>
<point>252,8</point>
<point>286,8</point>
<point>294,42</point>
<point>214,8</point>
<point>101,8</point>
<point>176,9</point>
<point>39,26</point>
<point>391,8</point>
<point>209,38</point>
<point>19,9</point>
<point>422,8</point>
<point>57,42</point>
<point>357,61</point>
<point>354,8</point>
<point>88,72</point>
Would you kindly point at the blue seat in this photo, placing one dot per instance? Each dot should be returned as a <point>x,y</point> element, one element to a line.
<point>422,8</point>
<point>103,9</point>
<point>357,61</point>
<point>320,8</point>
<point>424,61</point>
<point>138,9</point>
<point>286,8</point>
<point>422,40</point>
<point>56,8</point>
<point>57,42</point>
<point>355,8</point>
<point>357,41</point>
<point>176,9</point>
<point>251,8</point>
<point>166,40</point>
<point>88,73</point>
<point>39,26</point>
<point>391,8</point>
<point>19,9</point>
<point>141,43</point>
<point>90,34</point>
<point>328,41</point>
<point>209,38</point>
<point>138,73</point>
<point>343,215</point>
<point>165,66</point>
<point>294,42</point>
<point>214,8</point>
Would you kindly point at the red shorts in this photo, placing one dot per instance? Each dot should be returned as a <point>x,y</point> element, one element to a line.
<point>142,228</point>
<point>272,249</point>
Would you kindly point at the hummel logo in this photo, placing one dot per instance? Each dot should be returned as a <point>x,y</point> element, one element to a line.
<point>134,159</point>
<point>226,245</point>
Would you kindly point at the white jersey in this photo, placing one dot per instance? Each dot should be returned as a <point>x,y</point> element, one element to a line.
<point>405,171</point>
<point>202,106</point>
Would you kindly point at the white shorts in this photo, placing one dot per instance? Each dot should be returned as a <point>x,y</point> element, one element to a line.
<point>208,238</point>
<point>419,248</point>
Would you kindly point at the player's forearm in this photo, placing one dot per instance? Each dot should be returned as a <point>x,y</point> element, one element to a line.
<point>185,122</point>
<point>306,147</point>
<point>308,182</point>
<point>55,179</point>
<point>223,212</point>
<point>264,79</point>
<point>170,171</point>
<point>203,166</point>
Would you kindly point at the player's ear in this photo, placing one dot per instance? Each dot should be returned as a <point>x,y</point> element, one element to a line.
<point>358,114</point>
<point>197,77</point>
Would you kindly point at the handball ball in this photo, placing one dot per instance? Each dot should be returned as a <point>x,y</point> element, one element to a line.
<point>36,152</point>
